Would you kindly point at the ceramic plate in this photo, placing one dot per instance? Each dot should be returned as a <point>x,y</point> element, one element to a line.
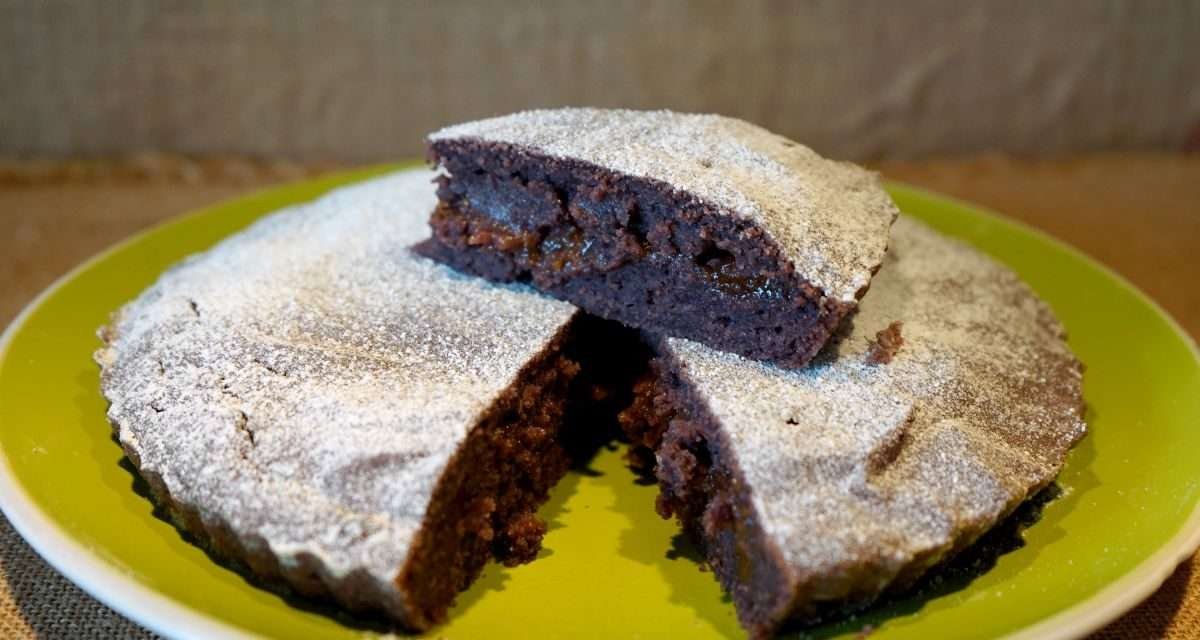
<point>1126,516</point>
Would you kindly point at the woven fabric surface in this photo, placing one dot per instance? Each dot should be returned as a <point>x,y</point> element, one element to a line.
<point>1135,212</point>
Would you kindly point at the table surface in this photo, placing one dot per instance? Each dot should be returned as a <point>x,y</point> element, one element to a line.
<point>1139,213</point>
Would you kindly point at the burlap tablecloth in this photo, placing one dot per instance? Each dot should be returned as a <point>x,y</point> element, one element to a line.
<point>1139,213</point>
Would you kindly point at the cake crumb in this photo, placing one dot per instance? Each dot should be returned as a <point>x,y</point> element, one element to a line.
<point>885,345</point>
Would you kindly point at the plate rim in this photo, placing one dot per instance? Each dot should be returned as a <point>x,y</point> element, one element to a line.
<point>164,616</point>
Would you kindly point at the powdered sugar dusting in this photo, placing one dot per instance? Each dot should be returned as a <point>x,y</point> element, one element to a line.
<point>870,468</point>
<point>306,381</point>
<point>830,218</point>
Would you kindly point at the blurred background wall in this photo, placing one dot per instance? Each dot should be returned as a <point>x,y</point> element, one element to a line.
<point>365,80</point>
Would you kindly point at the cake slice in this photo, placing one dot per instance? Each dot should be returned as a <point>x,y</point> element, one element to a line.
<point>950,401</point>
<point>694,226</point>
<point>344,418</point>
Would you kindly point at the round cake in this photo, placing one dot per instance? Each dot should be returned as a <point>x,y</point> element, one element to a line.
<point>320,403</point>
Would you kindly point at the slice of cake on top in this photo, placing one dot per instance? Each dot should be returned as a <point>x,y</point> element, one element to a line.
<point>341,416</point>
<point>952,400</point>
<point>695,226</point>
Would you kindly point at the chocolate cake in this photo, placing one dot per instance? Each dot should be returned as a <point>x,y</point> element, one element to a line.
<point>697,226</point>
<point>950,401</point>
<point>344,418</point>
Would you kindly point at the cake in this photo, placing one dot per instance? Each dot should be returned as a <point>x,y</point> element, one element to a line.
<point>950,400</point>
<point>343,418</point>
<point>696,226</point>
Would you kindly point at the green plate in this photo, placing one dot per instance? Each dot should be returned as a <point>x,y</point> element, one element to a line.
<point>611,567</point>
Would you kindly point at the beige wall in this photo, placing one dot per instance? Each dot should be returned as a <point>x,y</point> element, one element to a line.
<point>364,80</point>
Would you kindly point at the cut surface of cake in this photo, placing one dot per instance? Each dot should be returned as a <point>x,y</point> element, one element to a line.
<point>343,417</point>
<point>950,400</point>
<point>696,226</point>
